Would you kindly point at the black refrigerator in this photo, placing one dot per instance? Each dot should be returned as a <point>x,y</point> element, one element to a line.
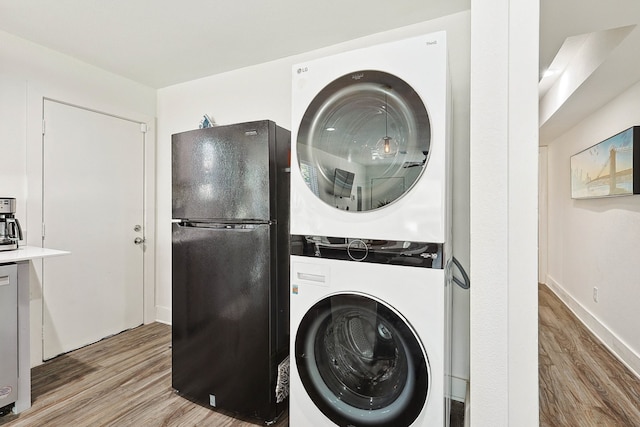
<point>230,266</point>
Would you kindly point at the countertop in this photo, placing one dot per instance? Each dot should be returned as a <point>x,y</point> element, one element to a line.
<point>26,253</point>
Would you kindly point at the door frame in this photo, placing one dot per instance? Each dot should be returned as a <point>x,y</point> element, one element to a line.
<point>33,230</point>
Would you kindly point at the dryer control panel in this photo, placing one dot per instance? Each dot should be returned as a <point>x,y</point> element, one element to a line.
<point>393,252</point>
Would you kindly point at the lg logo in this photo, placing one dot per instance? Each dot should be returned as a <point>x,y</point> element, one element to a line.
<point>303,70</point>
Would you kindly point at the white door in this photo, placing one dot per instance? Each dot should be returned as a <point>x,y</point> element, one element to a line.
<point>93,206</point>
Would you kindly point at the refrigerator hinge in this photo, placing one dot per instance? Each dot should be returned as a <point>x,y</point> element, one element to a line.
<point>143,127</point>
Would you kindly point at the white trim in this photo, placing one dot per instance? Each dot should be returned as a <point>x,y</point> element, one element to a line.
<point>149,219</point>
<point>163,314</point>
<point>607,337</point>
<point>458,389</point>
<point>467,407</point>
<point>543,213</point>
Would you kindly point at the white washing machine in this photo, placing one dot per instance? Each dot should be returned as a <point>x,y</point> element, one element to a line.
<point>370,235</point>
<point>370,345</point>
<point>370,143</point>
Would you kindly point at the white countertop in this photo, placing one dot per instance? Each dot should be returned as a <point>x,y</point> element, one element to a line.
<point>26,253</point>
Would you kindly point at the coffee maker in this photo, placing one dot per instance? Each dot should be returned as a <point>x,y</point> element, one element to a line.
<point>10,230</point>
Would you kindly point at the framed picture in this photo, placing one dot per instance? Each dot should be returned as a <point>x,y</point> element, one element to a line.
<point>607,168</point>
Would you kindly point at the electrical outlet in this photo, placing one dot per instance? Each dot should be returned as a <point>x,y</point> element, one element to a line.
<point>595,294</point>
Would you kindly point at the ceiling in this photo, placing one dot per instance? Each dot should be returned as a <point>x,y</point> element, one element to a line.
<point>602,50</point>
<point>163,42</point>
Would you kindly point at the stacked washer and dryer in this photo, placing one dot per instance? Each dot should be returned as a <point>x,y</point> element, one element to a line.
<point>370,237</point>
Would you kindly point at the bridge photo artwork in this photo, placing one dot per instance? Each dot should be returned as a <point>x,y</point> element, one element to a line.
<point>607,168</point>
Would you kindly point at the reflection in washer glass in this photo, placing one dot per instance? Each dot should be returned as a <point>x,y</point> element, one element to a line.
<point>360,357</point>
<point>361,363</point>
<point>370,126</point>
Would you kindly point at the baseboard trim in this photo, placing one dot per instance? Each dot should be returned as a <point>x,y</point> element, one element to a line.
<point>458,389</point>
<point>163,315</point>
<point>607,337</point>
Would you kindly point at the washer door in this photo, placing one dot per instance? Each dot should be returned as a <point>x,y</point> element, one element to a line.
<point>363,141</point>
<point>361,363</point>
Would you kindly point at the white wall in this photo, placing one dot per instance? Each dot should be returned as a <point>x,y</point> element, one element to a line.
<point>13,102</point>
<point>30,72</point>
<point>504,192</point>
<point>264,92</point>
<point>594,242</point>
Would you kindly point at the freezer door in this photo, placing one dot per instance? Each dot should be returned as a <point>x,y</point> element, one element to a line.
<point>222,172</point>
<point>223,322</point>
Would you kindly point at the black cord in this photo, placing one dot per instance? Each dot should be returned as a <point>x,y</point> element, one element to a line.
<point>467,282</point>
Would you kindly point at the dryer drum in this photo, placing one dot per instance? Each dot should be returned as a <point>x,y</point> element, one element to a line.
<point>361,363</point>
<point>368,130</point>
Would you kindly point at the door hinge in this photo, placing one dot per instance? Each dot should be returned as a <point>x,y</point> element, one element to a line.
<point>43,231</point>
<point>143,127</point>
<point>43,126</point>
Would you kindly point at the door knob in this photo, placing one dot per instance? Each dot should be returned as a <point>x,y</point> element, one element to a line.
<point>138,240</point>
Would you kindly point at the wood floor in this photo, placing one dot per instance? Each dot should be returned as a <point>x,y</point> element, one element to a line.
<point>581,382</point>
<point>125,380</point>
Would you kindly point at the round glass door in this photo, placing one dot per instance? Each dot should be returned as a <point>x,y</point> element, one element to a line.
<point>363,141</point>
<point>361,363</point>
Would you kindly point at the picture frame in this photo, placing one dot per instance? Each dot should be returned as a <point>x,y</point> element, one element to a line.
<point>608,168</point>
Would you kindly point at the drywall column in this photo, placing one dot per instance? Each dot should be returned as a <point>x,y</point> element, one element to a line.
<point>504,153</point>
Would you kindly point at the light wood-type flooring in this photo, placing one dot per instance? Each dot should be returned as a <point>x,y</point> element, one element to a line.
<point>122,381</point>
<point>125,380</point>
<point>581,383</point>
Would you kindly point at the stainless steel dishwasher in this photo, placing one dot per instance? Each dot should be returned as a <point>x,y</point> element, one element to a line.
<point>8,336</point>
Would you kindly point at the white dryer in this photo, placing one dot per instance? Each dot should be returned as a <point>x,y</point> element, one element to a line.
<point>370,235</point>
<point>370,143</point>
<point>370,345</point>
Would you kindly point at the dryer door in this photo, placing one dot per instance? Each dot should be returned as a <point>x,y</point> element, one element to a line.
<point>363,141</point>
<point>361,362</point>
